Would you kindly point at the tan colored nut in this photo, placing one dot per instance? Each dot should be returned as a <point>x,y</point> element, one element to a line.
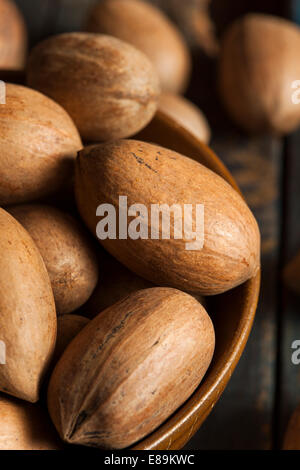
<point>130,368</point>
<point>186,114</point>
<point>149,174</point>
<point>148,29</point>
<point>108,87</point>
<point>67,251</point>
<point>28,317</point>
<point>38,145</point>
<point>258,65</point>
<point>13,37</point>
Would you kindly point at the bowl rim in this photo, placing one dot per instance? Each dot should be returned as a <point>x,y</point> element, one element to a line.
<point>201,403</point>
<point>185,421</point>
<point>162,117</point>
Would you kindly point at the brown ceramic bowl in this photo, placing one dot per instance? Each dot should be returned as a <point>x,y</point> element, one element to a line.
<point>232,313</point>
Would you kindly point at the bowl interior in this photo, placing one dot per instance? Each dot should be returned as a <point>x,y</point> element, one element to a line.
<point>232,313</point>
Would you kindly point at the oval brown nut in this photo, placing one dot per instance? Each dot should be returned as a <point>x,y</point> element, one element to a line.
<point>108,87</point>
<point>148,29</point>
<point>67,251</point>
<point>38,145</point>
<point>28,317</point>
<point>185,114</point>
<point>130,368</point>
<point>13,37</point>
<point>151,175</point>
<point>259,63</point>
<point>25,427</point>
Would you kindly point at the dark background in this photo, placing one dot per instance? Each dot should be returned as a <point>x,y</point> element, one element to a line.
<point>265,388</point>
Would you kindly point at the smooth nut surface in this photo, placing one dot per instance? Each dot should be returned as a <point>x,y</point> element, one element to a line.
<point>130,368</point>
<point>38,145</point>
<point>148,174</point>
<point>147,28</point>
<point>67,251</point>
<point>258,64</point>
<point>108,87</point>
<point>28,316</point>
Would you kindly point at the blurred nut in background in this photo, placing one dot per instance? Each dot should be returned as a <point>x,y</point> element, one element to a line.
<point>13,37</point>
<point>186,114</point>
<point>148,29</point>
<point>194,19</point>
<point>67,252</point>
<point>259,62</point>
<point>108,87</point>
<point>38,146</point>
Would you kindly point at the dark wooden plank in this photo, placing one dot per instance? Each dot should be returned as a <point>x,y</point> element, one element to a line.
<point>72,15</point>
<point>243,418</point>
<point>225,12</point>
<point>289,373</point>
<point>48,17</point>
<point>54,16</point>
<point>288,380</point>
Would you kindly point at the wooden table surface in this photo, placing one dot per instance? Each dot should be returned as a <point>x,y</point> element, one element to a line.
<point>265,388</point>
